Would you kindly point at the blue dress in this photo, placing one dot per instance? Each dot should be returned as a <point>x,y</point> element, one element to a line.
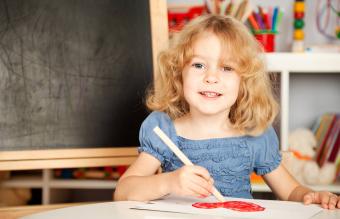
<point>230,160</point>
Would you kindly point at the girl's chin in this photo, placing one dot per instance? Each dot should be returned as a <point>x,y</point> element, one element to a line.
<point>212,112</point>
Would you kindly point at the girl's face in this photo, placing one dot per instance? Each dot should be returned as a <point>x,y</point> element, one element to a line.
<point>210,86</point>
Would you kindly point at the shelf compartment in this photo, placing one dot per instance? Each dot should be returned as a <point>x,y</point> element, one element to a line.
<point>82,184</point>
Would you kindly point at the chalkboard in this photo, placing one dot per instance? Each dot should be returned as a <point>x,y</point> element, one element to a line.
<point>73,73</point>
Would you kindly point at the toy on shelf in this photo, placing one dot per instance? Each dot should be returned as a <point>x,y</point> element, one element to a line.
<point>239,9</point>
<point>301,163</point>
<point>264,25</point>
<point>13,196</point>
<point>112,173</point>
<point>177,18</point>
<point>299,14</point>
<point>180,14</point>
<point>326,11</point>
<point>256,179</point>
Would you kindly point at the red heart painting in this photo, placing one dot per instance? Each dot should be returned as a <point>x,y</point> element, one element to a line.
<point>232,205</point>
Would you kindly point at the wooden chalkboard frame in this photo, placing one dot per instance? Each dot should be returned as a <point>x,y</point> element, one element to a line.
<point>94,157</point>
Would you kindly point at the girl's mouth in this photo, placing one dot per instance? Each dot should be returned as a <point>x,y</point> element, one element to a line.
<point>210,94</point>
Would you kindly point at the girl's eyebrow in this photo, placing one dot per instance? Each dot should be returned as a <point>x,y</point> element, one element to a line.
<point>221,61</point>
<point>227,60</point>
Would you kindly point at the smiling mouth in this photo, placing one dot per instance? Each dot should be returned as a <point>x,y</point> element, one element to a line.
<point>210,94</point>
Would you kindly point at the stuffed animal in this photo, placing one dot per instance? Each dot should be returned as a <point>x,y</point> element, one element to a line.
<point>300,163</point>
<point>13,196</point>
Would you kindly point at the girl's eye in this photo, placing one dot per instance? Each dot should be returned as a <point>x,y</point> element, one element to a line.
<point>228,68</point>
<point>198,65</point>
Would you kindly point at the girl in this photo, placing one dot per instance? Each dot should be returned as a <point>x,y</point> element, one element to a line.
<point>213,98</point>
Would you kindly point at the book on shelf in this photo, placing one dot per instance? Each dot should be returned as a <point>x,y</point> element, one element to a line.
<point>322,134</point>
<point>330,140</point>
<point>316,125</point>
<point>335,150</point>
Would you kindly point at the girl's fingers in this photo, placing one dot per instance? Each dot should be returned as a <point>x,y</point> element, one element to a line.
<point>333,201</point>
<point>198,190</point>
<point>325,198</point>
<point>202,180</point>
<point>201,171</point>
<point>196,181</point>
<point>202,183</point>
<point>309,198</point>
<point>206,175</point>
<point>338,205</point>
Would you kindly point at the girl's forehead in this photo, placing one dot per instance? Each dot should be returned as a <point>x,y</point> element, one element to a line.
<point>226,51</point>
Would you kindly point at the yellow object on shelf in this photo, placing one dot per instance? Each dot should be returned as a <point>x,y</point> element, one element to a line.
<point>256,179</point>
<point>299,6</point>
<point>298,34</point>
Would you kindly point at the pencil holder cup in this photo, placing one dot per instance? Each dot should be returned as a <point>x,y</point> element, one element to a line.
<point>267,40</point>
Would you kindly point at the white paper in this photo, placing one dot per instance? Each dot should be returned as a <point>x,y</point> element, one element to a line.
<point>273,209</point>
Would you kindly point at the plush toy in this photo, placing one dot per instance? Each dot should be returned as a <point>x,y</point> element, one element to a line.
<point>300,163</point>
<point>13,196</point>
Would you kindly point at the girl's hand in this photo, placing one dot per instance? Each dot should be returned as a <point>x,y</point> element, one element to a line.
<point>327,200</point>
<point>191,181</point>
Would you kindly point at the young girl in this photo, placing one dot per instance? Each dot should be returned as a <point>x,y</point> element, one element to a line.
<point>213,98</point>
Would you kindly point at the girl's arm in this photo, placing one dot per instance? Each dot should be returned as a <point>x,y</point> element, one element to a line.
<point>286,187</point>
<point>140,183</point>
<point>282,184</point>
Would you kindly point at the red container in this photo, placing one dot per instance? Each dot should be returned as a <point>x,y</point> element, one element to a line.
<point>267,40</point>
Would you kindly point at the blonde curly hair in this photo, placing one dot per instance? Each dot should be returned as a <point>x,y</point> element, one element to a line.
<point>255,108</point>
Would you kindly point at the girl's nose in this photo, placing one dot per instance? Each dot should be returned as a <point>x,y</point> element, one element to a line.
<point>211,78</point>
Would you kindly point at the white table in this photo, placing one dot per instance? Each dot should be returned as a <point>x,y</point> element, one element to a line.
<point>120,210</point>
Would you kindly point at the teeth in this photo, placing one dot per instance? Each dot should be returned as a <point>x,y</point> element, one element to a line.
<point>210,94</point>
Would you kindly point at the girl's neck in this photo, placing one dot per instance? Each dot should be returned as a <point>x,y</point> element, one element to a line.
<point>197,127</point>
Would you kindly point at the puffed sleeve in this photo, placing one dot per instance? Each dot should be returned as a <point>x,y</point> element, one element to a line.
<point>267,155</point>
<point>149,141</point>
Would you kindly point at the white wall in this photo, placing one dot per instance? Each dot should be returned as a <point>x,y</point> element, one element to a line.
<point>310,96</point>
<point>284,39</point>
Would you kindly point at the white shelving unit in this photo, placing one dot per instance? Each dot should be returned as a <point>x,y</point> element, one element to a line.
<point>288,65</point>
<point>284,63</point>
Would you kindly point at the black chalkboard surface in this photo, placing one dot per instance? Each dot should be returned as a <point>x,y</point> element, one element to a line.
<point>73,73</point>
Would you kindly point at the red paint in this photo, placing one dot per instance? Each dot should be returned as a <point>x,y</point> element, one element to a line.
<point>232,205</point>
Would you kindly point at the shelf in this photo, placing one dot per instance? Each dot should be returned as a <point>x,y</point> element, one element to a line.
<point>290,63</point>
<point>82,184</point>
<point>23,182</point>
<point>335,188</point>
<point>303,62</point>
<point>37,182</point>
